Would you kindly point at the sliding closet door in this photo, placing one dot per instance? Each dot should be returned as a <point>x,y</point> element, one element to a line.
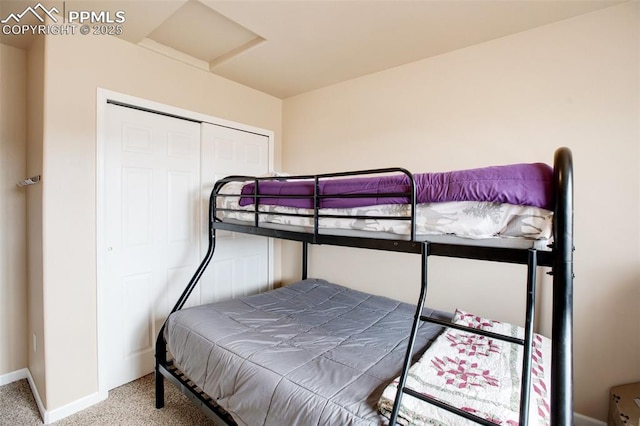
<point>152,221</point>
<point>240,262</point>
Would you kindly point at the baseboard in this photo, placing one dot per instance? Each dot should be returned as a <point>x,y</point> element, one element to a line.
<point>14,376</point>
<point>72,408</point>
<point>581,420</point>
<point>36,396</point>
<point>51,416</point>
<point>5,379</point>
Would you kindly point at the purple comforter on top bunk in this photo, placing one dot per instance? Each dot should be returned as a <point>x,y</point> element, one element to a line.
<point>519,184</point>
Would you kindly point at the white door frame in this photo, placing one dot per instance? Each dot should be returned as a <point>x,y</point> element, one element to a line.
<point>103,96</point>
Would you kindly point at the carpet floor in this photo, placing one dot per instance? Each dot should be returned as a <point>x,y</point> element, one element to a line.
<point>132,404</point>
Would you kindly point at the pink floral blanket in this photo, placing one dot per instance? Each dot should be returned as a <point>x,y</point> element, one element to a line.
<point>477,374</point>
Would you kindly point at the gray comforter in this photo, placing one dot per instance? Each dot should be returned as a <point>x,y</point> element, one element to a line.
<point>310,353</point>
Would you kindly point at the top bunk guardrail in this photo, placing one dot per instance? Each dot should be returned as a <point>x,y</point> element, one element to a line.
<point>314,199</point>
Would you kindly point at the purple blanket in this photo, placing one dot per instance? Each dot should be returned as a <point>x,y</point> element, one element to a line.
<point>520,184</point>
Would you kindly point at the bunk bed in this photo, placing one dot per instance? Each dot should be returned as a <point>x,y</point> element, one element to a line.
<point>319,353</point>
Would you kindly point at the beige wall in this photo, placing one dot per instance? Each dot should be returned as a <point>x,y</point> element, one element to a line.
<point>74,68</point>
<point>34,236</point>
<point>13,269</point>
<point>514,99</point>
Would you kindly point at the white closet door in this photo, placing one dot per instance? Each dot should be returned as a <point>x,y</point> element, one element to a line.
<point>240,262</point>
<point>152,211</point>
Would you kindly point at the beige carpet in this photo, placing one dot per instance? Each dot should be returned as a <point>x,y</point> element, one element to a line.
<point>132,404</point>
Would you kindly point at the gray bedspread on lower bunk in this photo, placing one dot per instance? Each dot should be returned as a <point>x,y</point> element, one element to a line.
<point>306,354</point>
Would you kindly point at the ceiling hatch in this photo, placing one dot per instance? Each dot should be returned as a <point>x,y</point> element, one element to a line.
<point>181,36</point>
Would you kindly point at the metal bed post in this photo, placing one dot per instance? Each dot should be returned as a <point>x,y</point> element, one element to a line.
<point>525,388</point>
<point>305,259</point>
<point>562,333</point>
<point>161,359</point>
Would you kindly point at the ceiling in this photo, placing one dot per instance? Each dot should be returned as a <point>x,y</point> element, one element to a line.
<point>289,47</point>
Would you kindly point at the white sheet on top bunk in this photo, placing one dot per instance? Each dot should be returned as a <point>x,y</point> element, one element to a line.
<point>467,219</point>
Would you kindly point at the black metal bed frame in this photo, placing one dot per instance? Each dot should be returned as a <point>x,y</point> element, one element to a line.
<point>559,258</point>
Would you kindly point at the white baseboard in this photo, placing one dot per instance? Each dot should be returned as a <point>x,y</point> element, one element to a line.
<point>51,416</point>
<point>36,396</point>
<point>5,379</point>
<point>580,420</point>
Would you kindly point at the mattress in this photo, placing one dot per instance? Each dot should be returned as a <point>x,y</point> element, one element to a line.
<point>476,222</point>
<point>309,353</point>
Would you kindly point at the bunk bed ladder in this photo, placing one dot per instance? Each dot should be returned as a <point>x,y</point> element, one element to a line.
<point>527,344</point>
